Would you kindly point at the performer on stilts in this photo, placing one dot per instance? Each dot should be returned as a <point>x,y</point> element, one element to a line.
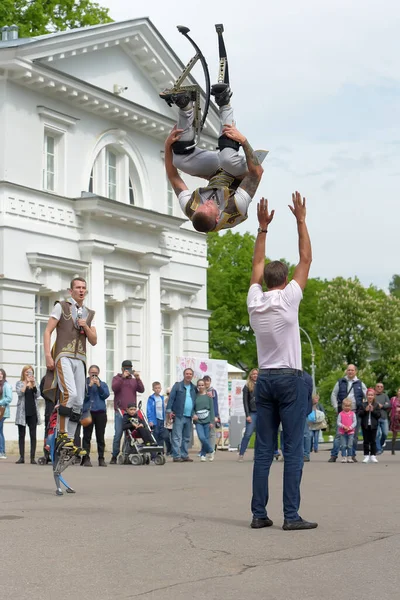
<point>232,178</point>
<point>66,370</point>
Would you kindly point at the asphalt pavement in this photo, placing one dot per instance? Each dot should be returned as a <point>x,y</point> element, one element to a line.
<point>181,531</point>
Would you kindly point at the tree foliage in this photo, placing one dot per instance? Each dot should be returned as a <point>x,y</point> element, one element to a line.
<point>394,286</point>
<point>230,260</point>
<point>38,17</point>
<point>345,323</point>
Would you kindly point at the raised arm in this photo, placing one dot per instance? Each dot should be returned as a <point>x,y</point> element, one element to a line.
<point>255,170</point>
<point>264,219</point>
<point>303,268</point>
<point>178,185</point>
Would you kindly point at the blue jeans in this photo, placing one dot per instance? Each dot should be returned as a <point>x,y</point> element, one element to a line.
<point>279,397</point>
<point>159,432</point>
<point>314,439</point>
<point>307,440</point>
<point>381,434</point>
<point>203,431</point>
<point>336,441</point>
<point>181,436</point>
<point>346,444</point>
<point>250,427</point>
<point>117,434</point>
<point>2,440</point>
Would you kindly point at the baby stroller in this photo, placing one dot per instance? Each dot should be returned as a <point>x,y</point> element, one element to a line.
<point>136,453</point>
<point>50,431</point>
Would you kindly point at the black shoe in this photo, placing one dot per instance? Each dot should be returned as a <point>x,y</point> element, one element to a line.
<point>177,459</point>
<point>20,461</point>
<point>354,459</point>
<point>306,459</point>
<point>260,523</point>
<point>181,99</point>
<point>86,462</point>
<point>33,461</point>
<point>102,462</point>
<point>333,459</point>
<point>187,459</point>
<point>393,452</point>
<point>298,525</point>
<point>113,460</point>
<point>222,93</point>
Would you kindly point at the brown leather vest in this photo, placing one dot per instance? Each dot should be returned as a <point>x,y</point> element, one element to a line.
<point>70,342</point>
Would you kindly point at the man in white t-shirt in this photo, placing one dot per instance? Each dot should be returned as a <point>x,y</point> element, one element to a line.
<point>281,392</point>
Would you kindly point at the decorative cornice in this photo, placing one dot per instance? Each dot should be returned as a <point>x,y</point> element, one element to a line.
<point>99,207</point>
<point>124,276</point>
<point>88,248</point>
<point>196,312</point>
<point>63,265</point>
<point>58,117</point>
<point>151,259</point>
<point>181,287</point>
<point>17,285</point>
<point>175,243</point>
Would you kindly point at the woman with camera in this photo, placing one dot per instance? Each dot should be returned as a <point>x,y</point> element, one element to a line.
<point>27,412</point>
<point>95,404</point>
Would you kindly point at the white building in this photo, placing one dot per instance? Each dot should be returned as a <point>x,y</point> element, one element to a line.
<point>83,191</point>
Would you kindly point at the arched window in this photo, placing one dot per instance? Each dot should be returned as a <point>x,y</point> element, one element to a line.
<point>116,171</point>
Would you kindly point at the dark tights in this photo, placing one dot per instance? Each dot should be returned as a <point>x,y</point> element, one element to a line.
<point>31,422</point>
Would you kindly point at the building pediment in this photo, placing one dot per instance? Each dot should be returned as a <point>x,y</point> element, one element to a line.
<point>78,66</point>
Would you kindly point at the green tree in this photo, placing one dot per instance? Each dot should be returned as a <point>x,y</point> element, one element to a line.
<point>394,286</point>
<point>346,323</point>
<point>38,17</point>
<point>230,262</point>
<point>386,345</point>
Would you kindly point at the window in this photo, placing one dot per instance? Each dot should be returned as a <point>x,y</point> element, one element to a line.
<point>170,198</point>
<point>167,348</point>
<point>111,332</point>
<point>131,193</point>
<point>111,174</point>
<point>42,310</point>
<point>91,182</point>
<point>49,162</point>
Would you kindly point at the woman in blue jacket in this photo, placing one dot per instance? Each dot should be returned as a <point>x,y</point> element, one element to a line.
<point>5,401</point>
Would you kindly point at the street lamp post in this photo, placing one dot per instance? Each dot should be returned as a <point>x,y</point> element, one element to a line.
<point>312,359</point>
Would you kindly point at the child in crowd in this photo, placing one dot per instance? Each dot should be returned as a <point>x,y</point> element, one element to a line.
<point>133,422</point>
<point>316,421</point>
<point>370,414</point>
<point>204,419</point>
<point>168,424</point>
<point>347,422</point>
<point>156,413</point>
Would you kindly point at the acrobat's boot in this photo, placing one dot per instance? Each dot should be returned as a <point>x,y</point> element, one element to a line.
<point>61,440</point>
<point>75,450</point>
<point>182,99</point>
<point>222,93</point>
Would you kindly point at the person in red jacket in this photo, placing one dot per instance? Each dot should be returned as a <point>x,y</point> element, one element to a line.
<point>125,386</point>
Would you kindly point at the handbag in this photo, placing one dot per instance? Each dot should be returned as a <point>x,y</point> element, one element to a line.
<point>2,411</point>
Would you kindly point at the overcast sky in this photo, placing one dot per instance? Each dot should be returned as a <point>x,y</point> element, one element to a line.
<point>318,84</point>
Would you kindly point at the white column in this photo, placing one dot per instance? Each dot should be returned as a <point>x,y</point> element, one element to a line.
<point>94,252</point>
<point>151,264</point>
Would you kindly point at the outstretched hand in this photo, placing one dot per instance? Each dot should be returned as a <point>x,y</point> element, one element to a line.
<point>299,207</point>
<point>264,217</point>
<point>234,134</point>
<point>174,136</point>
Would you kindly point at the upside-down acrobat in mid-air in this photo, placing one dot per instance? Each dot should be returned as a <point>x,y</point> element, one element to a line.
<point>232,178</point>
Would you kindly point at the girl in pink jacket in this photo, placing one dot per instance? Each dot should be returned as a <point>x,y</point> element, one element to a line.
<point>347,422</point>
